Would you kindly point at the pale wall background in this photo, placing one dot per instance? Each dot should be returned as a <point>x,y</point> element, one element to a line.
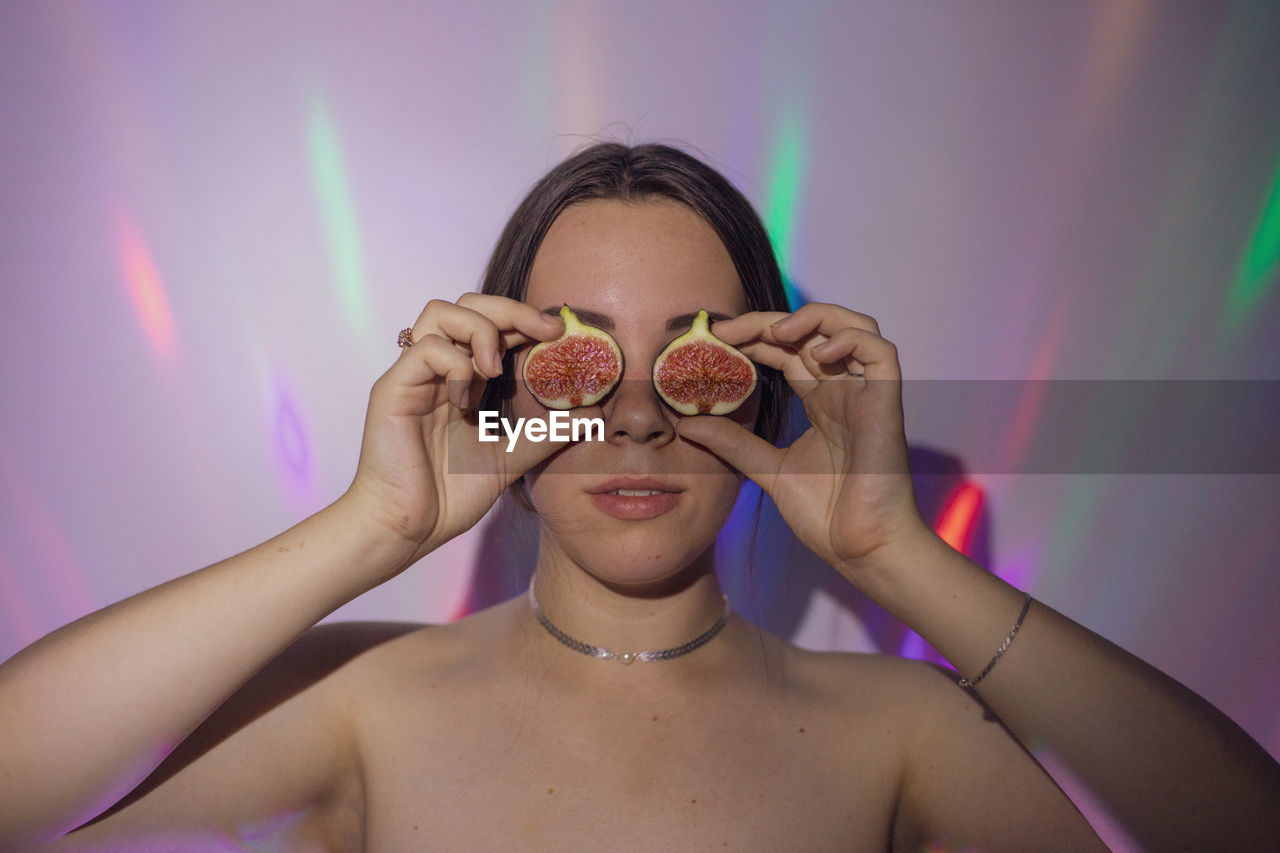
<point>215,218</point>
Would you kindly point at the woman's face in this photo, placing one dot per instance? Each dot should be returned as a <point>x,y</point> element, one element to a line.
<point>641,271</point>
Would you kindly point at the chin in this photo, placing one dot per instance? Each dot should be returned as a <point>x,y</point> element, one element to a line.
<point>657,554</point>
<point>653,574</point>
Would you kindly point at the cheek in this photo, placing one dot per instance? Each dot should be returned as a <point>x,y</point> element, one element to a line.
<point>720,503</point>
<point>542,491</point>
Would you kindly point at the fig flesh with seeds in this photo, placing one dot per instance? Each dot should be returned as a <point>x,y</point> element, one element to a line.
<point>699,374</point>
<point>576,369</point>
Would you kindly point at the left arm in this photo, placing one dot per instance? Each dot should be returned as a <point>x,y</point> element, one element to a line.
<point>1176,771</point>
<point>1172,768</point>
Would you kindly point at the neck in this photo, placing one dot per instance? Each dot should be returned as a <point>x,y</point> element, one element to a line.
<point>630,617</point>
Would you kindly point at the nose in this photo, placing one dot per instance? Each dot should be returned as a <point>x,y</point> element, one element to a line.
<point>634,413</point>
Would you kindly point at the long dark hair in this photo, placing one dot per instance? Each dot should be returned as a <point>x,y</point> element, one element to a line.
<point>612,170</point>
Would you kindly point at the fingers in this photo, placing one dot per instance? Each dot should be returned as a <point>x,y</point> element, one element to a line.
<point>484,327</point>
<point>819,341</point>
<point>813,317</point>
<point>790,362</point>
<point>736,445</point>
<point>518,322</point>
<point>746,327</point>
<point>823,318</point>
<point>753,336</point>
<point>440,358</point>
<point>463,343</point>
<point>877,357</point>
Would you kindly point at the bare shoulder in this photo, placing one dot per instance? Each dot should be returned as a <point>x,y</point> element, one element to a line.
<point>914,705</point>
<point>959,772</point>
<point>924,697</point>
<point>867,708</point>
<point>857,681</point>
<point>376,655</point>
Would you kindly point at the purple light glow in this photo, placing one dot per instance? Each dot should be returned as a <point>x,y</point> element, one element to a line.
<point>293,454</point>
<point>18,614</point>
<point>56,579</point>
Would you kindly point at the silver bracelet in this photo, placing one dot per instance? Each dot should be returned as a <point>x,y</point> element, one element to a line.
<point>1004,647</point>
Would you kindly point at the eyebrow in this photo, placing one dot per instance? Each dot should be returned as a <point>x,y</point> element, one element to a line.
<point>604,321</point>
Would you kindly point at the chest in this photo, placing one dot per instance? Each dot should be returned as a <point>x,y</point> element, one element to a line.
<point>532,775</point>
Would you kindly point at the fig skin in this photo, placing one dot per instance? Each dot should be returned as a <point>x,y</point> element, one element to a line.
<point>699,374</point>
<point>573,381</point>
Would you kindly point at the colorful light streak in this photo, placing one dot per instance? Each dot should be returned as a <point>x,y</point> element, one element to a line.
<point>60,580</point>
<point>1259,269</point>
<point>1114,44</point>
<point>277,832</point>
<point>329,177</point>
<point>146,291</point>
<point>1193,203</point>
<point>22,624</point>
<point>1151,302</point>
<point>782,199</point>
<point>1022,425</point>
<point>735,552</point>
<point>292,446</point>
<point>957,524</point>
<point>958,519</point>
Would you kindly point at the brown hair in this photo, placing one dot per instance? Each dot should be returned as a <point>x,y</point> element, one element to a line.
<point>612,170</point>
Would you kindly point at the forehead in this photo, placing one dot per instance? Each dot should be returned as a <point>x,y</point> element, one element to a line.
<point>609,253</point>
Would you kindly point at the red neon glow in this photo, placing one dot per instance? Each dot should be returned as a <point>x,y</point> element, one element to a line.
<point>1023,423</point>
<point>958,518</point>
<point>145,288</point>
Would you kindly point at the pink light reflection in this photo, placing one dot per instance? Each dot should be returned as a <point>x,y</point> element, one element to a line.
<point>146,290</point>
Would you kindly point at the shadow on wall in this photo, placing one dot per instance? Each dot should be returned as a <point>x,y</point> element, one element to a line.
<point>768,575</point>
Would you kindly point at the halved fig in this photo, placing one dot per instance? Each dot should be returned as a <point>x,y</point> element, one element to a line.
<point>576,369</point>
<point>699,374</point>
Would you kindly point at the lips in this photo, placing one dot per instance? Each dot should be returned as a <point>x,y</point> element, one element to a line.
<point>635,498</point>
<point>635,484</point>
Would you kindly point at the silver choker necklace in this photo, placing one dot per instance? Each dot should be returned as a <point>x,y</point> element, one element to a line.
<point>648,656</point>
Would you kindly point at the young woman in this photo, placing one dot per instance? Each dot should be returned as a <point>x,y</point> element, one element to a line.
<point>209,713</point>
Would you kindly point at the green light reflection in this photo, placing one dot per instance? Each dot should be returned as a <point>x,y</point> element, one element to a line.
<point>1261,261</point>
<point>330,179</point>
<point>786,177</point>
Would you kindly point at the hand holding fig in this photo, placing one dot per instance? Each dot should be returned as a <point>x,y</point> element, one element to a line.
<point>416,430</point>
<point>844,486</point>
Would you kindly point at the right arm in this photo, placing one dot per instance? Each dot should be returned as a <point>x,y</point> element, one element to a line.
<point>88,712</point>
